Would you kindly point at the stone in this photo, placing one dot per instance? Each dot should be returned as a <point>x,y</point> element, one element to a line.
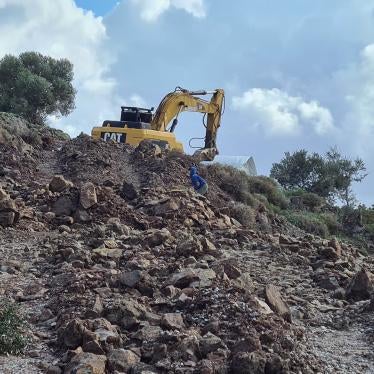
<point>262,307</point>
<point>87,195</point>
<point>86,363</point>
<point>98,305</point>
<point>52,369</point>
<point>130,278</point>
<point>328,282</point>
<point>189,247</point>
<point>360,287</point>
<point>72,335</point>
<point>148,333</point>
<point>276,303</point>
<point>183,278</point>
<point>208,245</point>
<point>93,346</point>
<point>112,253</point>
<point>82,216</point>
<point>49,216</point>
<point>232,271</point>
<point>334,243</point>
<point>156,237</point>
<point>166,207</point>
<point>7,218</point>
<point>245,363</point>
<point>59,184</point>
<point>9,214</point>
<point>3,194</point>
<point>329,253</point>
<point>205,278</point>
<point>129,191</point>
<point>211,343</point>
<point>248,345</point>
<point>173,321</point>
<point>275,365</point>
<point>63,206</point>
<point>122,360</point>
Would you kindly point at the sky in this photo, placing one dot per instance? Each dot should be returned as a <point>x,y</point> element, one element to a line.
<point>297,73</point>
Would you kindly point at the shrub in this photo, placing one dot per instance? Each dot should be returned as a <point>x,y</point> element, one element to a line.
<point>308,222</point>
<point>331,221</point>
<point>246,189</point>
<point>301,199</point>
<point>243,213</point>
<point>12,339</point>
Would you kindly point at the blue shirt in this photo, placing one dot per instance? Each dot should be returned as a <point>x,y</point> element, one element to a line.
<point>196,180</point>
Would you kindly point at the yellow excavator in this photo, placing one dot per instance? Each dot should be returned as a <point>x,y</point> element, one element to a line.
<point>139,124</point>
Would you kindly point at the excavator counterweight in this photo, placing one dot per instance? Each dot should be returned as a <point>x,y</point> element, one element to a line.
<point>137,124</point>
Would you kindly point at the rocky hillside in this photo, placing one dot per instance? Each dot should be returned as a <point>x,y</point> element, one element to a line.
<point>119,267</point>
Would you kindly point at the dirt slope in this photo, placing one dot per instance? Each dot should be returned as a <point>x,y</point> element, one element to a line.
<point>120,267</point>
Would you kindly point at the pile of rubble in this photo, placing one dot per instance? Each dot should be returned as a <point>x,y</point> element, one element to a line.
<point>142,275</point>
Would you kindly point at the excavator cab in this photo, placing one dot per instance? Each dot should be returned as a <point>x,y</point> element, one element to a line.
<point>132,118</point>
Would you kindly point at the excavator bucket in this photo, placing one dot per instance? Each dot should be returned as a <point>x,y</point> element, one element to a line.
<point>206,154</point>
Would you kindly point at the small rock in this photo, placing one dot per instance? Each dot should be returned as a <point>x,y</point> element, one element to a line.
<point>87,195</point>
<point>129,191</point>
<point>122,360</point>
<point>210,343</point>
<point>130,278</point>
<point>59,184</point>
<point>173,321</point>
<point>63,206</point>
<point>245,363</point>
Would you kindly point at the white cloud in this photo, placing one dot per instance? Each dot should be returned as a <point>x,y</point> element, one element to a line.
<point>62,30</point>
<point>356,84</point>
<point>151,10</point>
<point>278,113</point>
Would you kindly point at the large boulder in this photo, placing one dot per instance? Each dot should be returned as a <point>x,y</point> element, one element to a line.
<point>86,363</point>
<point>361,286</point>
<point>274,298</point>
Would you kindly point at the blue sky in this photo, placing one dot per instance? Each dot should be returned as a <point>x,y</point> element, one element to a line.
<point>99,7</point>
<point>297,74</point>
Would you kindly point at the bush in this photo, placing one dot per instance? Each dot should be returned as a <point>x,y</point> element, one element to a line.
<point>247,189</point>
<point>243,213</point>
<point>12,339</point>
<point>269,188</point>
<point>331,221</point>
<point>301,199</point>
<point>308,222</point>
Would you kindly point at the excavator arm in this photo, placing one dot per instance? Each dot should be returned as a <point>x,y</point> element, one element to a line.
<point>183,100</point>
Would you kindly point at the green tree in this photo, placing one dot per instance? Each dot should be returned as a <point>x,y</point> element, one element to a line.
<point>298,170</point>
<point>330,176</point>
<point>342,172</point>
<point>35,86</point>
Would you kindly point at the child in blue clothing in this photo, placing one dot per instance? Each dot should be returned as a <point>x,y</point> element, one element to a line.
<point>199,184</point>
